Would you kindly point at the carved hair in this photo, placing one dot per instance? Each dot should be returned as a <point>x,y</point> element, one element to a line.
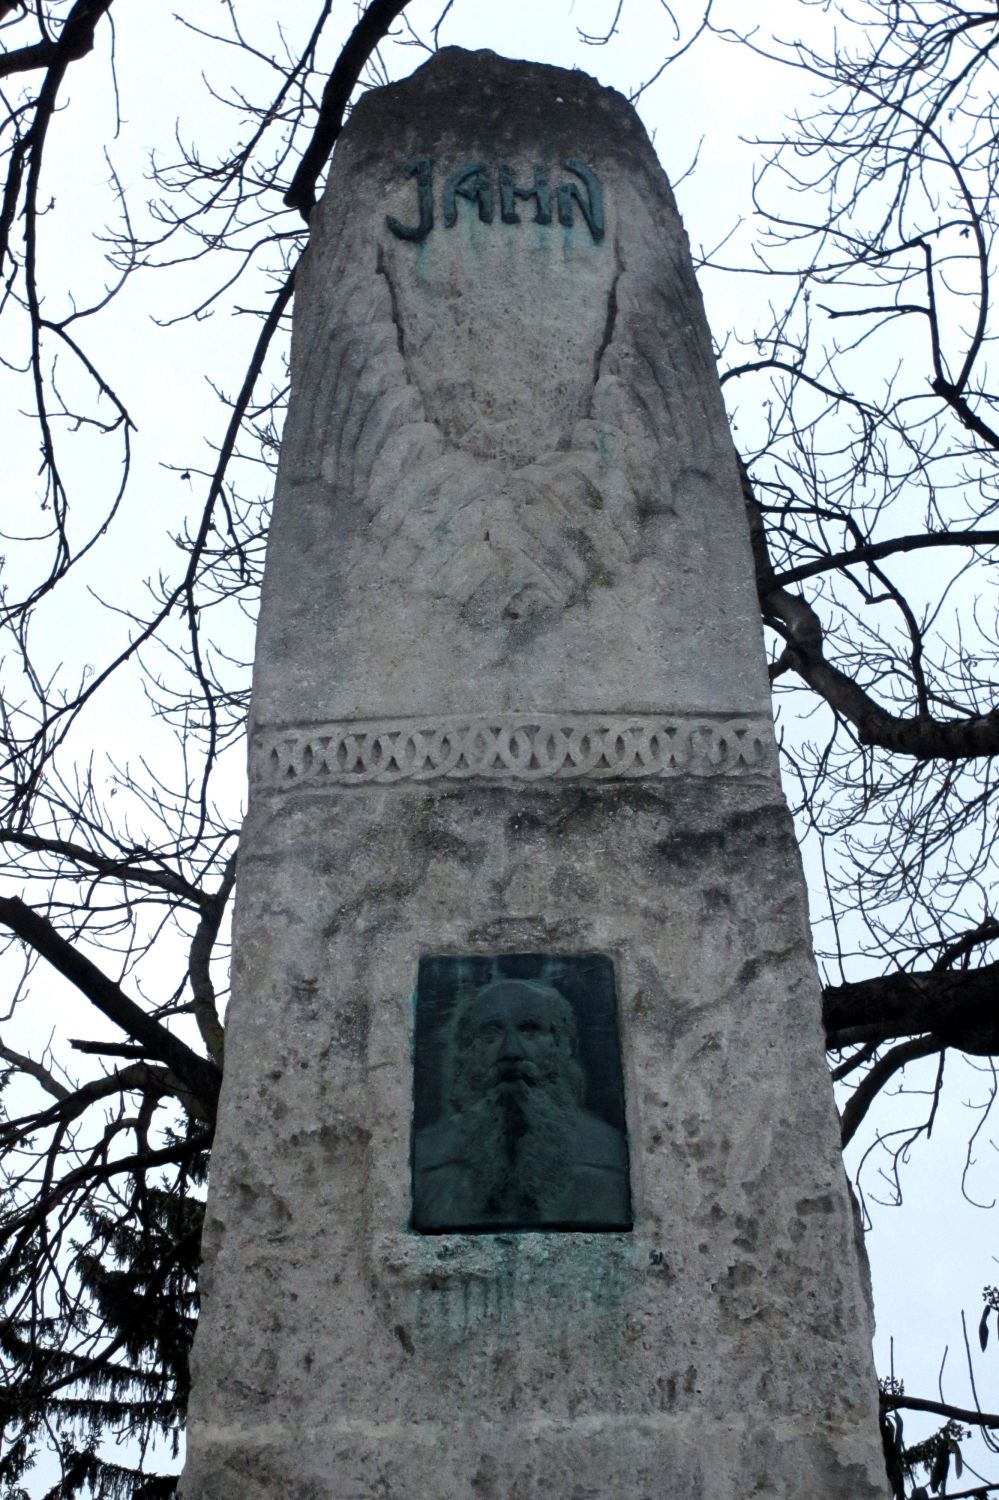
<point>563,1019</point>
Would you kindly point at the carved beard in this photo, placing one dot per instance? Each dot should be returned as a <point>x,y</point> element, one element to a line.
<point>516,1142</point>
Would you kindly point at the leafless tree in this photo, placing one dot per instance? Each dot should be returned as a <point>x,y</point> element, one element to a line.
<point>866,419</point>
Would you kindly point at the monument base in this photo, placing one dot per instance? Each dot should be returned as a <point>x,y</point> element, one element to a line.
<point>617,1456</point>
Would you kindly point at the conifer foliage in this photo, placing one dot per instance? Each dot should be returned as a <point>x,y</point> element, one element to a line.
<point>108,1356</point>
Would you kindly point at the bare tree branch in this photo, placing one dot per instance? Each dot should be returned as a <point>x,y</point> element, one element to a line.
<point>924,737</point>
<point>371,29</point>
<point>75,40</point>
<point>36,1071</point>
<point>201,1077</point>
<point>942,1409</point>
<point>960,1008</point>
<point>874,1081</point>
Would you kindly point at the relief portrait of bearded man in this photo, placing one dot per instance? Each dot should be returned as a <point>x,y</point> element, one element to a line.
<point>516,1148</point>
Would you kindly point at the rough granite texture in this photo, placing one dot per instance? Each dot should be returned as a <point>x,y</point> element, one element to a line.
<point>510,696</point>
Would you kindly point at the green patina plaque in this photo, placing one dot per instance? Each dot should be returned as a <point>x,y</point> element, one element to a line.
<point>518,1097</point>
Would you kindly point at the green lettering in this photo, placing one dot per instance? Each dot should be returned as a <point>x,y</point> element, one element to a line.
<point>592,209</point>
<point>422,169</point>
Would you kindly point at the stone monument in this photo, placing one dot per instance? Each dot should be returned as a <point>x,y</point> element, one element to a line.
<point>527,1180</point>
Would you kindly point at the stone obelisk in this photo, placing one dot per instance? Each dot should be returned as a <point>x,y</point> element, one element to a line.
<point>527,1179</point>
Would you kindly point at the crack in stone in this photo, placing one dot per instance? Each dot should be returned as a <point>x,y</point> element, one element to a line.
<point>381,267</point>
<point>612,310</point>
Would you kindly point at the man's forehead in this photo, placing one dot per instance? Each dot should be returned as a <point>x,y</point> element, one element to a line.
<point>514,1002</point>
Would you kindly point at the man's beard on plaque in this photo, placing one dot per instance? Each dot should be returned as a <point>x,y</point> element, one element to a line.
<point>516,1131</point>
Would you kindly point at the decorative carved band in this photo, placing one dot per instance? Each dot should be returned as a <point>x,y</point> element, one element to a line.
<point>528,747</point>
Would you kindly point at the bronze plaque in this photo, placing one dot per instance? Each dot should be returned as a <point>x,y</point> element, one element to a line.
<point>518,1098</point>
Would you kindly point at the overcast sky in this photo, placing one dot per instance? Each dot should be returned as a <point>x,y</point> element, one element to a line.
<point>929,1258</point>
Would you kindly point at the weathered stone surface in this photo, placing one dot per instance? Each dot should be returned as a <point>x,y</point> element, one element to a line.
<point>510,697</point>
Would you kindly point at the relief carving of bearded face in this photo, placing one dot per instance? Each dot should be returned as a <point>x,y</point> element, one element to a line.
<point>515,1147</point>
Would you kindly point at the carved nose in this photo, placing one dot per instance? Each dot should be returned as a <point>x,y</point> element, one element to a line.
<point>513,1047</point>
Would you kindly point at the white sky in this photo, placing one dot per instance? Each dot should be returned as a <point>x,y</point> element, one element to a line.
<point>929,1258</point>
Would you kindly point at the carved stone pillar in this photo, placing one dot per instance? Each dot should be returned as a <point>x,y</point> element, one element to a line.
<point>520,915</point>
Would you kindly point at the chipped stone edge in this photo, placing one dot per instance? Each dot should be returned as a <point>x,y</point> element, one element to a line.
<point>518,747</point>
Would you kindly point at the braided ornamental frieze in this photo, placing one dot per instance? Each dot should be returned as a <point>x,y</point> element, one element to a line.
<point>538,747</point>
